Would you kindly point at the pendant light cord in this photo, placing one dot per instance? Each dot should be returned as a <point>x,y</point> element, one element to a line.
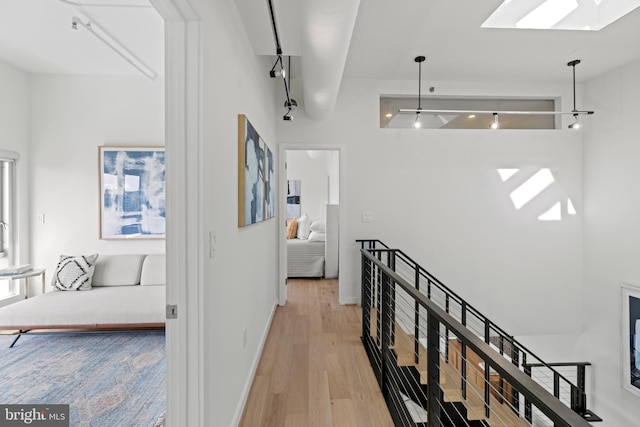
<point>419,84</point>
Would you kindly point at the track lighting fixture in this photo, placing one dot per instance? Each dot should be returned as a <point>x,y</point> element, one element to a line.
<point>290,104</point>
<point>278,73</point>
<point>575,124</point>
<point>419,59</point>
<point>104,36</point>
<point>495,123</point>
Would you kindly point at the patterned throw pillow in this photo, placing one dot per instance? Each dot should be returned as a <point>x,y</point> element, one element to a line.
<point>74,273</point>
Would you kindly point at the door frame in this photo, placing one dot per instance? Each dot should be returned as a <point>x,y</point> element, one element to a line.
<point>282,214</point>
<point>183,143</point>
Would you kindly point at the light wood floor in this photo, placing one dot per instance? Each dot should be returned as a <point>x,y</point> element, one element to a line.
<point>314,370</point>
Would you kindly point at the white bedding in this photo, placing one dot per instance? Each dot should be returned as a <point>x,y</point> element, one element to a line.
<point>305,258</point>
<point>99,307</point>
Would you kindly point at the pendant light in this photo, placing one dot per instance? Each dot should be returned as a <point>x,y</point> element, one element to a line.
<point>494,125</point>
<point>576,123</point>
<point>419,59</point>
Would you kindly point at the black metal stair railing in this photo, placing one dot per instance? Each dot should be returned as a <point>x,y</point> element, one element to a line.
<point>391,312</point>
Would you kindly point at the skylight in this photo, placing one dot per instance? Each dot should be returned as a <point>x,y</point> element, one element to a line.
<point>585,15</point>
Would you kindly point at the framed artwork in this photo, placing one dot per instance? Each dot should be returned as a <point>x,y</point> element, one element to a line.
<point>270,194</point>
<point>132,192</point>
<point>631,338</point>
<point>293,199</point>
<point>256,176</point>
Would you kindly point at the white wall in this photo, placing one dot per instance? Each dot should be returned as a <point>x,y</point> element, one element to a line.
<point>436,194</point>
<point>313,176</point>
<point>71,116</point>
<point>333,170</point>
<point>240,280</point>
<point>14,136</point>
<point>611,233</point>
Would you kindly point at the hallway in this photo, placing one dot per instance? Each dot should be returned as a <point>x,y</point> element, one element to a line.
<point>314,370</point>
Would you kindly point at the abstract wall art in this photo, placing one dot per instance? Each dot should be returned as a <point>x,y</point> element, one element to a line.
<point>132,192</point>
<point>256,176</point>
<point>631,338</point>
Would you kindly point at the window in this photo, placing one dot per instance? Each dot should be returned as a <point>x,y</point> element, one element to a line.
<point>444,119</point>
<point>7,221</point>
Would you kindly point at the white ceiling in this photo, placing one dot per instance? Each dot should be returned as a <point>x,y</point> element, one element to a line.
<point>36,36</point>
<point>388,34</point>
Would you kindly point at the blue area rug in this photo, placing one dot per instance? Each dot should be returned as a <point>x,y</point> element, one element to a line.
<point>108,379</point>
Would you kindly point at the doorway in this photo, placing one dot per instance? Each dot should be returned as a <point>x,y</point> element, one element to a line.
<point>312,193</point>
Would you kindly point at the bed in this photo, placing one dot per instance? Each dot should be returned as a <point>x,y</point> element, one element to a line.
<point>317,255</point>
<point>305,258</point>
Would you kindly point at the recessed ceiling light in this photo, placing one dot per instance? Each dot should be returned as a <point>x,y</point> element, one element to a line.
<point>471,116</point>
<point>388,115</point>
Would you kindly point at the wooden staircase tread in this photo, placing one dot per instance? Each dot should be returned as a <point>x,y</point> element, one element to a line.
<point>500,414</point>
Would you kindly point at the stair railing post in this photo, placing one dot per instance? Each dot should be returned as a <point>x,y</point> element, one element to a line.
<point>433,371</point>
<point>379,279</point>
<point>579,402</point>
<point>365,303</point>
<point>392,295</point>
<point>416,320</point>
<point>528,409</point>
<point>487,331</point>
<point>463,353</point>
<point>487,389</point>
<point>515,359</point>
<point>386,331</point>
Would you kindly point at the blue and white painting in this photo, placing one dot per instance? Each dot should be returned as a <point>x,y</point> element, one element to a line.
<point>270,196</point>
<point>132,193</point>
<point>253,176</point>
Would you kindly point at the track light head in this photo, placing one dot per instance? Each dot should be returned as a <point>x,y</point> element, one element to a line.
<point>495,123</point>
<point>74,22</point>
<point>278,73</point>
<point>417,124</point>
<point>291,105</point>
<point>576,124</point>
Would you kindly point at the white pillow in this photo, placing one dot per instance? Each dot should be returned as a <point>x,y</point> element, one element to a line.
<point>315,236</point>
<point>74,273</point>
<point>318,226</point>
<point>304,222</point>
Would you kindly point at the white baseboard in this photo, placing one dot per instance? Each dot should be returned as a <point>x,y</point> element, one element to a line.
<point>351,300</point>
<point>237,416</point>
